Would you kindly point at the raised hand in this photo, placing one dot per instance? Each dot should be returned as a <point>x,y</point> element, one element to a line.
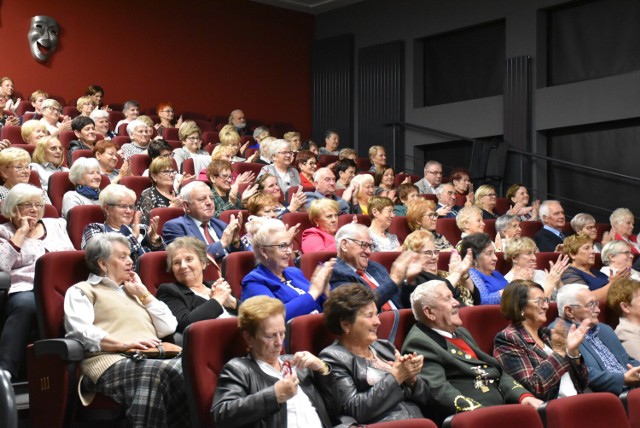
<point>286,387</point>
<point>319,283</point>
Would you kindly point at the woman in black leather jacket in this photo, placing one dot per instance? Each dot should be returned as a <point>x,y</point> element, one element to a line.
<point>369,380</point>
<point>265,388</point>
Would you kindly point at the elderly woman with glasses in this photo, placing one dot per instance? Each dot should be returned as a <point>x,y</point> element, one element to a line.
<point>118,205</point>
<point>282,156</point>
<point>140,135</point>
<point>167,114</point>
<point>546,362</point>
<point>225,190</point>
<point>161,193</point>
<point>585,223</point>
<point>85,176</point>
<point>421,215</point>
<point>23,240</point>
<point>275,277</point>
<point>191,137</point>
<point>14,169</point>
<point>617,257</point>
<point>48,158</point>
<point>508,227</point>
<point>485,199</point>
<point>308,165</point>
<point>622,221</point>
<point>51,110</point>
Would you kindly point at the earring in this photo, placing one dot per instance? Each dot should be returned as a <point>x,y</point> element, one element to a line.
<point>522,314</point>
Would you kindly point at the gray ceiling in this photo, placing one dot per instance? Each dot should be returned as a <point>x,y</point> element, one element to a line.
<point>313,7</point>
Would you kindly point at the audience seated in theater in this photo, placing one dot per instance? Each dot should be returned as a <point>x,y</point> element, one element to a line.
<point>165,112</point>
<point>344,171</point>
<point>23,240</point>
<point>191,298</point>
<point>407,193</point>
<point>268,185</point>
<point>521,252</point>
<point>518,197</point>
<point>549,238</point>
<point>293,138</point>
<point>378,159</point>
<point>331,143</point>
<point>622,228</point>
<point>238,121</point>
<point>310,145</point>
<point>225,194</point>
<point>261,205</point>
<point>85,176</point>
<point>191,138</point>
<point>307,164</point>
<point>198,221</point>
<point>381,214</point>
<point>617,257</point>
<point>32,130</point>
<point>101,120</point>
<point>118,205</point>
<point>229,137</point>
<point>547,363</point>
<point>131,111</point>
<point>579,248</point>
<point>369,380</point>
<point>266,388</point>
<point>485,199</point>
<point>14,169</point>
<point>460,375</point>
<point>421,242</point>
<point>6,116</point>
<point>37,98</point>
<point>111,313</point>
<point>469,220</point>
<point>347,153</point>
<point>106,153</point>
<point>7,90</point>
<point>432,178</point>
<point>421,215</point>
<point>96,92</point>
<point>384,182</point>
<point>508,227</point>
<point>362,188</point>
<point>85,105</point>
<point>489,282</point>
<point>51,111</point>
<point>323,213</point>
<point>140,138</point>
<point>325,184</point>
<point>265,157</point>
<point>353,265</point>
<point>274,277</point>
<point>150,124</point>
<point>282,157</point>
<point>611,369</point>
<point>446,206</point>
<point>48,158</point>
<point>620,300</point>
<point>585,223</point>
<point>259,134</point>
<point>161,193</point>
<point>85,131</point>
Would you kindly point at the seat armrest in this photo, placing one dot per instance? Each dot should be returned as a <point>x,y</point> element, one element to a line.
<point>65,349</point>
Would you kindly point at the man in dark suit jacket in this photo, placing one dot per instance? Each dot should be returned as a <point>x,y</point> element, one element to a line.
<point>446,207</point>
<point>325,182</point>
<point>221,239</point>
<point>550,236</point>
<point>462,377</point>
<point>354,248</point>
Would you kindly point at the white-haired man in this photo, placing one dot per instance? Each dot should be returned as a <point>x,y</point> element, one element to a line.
<point>432,178</point>
<point>550,236</point>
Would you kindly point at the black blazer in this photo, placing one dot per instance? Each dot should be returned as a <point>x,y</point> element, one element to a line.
<point>547,241</point>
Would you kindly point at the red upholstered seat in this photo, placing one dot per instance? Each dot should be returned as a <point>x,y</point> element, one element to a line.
<point>152,269</point>
<point>505,416</point>
<point>210,137</point>
<point>400,228</point>
<point>202,363</point>
<point>363,164</point>
<point>363,219</point>
<point>80,153</point>
<point>294,189</point>
<point>166,214</point>
<point>235,267</point>
<point>136,183</point>
<point>406,320</point>
<point>601,229</point>
<point>188,167</point>
<point>11,133</point>
<point>530,228</point>
<point>66,137</point>
<point>400,177</point>
<point>407,423</point>
<point>240,167</point>
<point>192,115</point>
<point>429,197</point>
<point>308,333</point>
<point>489,228</point>
<point>170,134</point>
<point>385,258</point>
<point>310,261</point>
<point>204,125</point>
<point>28,147</point>
<point>226,217</point>
<point>448,227</point>
<point>631,401</point>
<point>324,160</point>
<point>34,179</point>
<point>139,163</point>
<point>23,107</point>
<point>78,218</point>
<point>291,219</point>
<point>121,140</point>
<point>597,410</point>
<point>59,184</point>
<point>483,322</point>
<point>502,206</point>
<point>71,111</point>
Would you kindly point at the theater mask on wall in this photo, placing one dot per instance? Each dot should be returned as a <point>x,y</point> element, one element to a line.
<point>43,37</point>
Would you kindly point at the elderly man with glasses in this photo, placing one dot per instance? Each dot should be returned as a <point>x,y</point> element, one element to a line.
<point>611,369</point>
<point>432,178</point>
<point>325,182</point>
<point>354,246</point>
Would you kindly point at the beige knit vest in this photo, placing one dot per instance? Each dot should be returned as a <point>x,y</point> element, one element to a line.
<point>122,316</point>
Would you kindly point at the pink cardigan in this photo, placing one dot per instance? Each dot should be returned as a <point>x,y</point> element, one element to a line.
<point>315,239</point>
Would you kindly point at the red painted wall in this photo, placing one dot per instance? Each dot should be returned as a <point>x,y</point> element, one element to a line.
<point>210,56</point>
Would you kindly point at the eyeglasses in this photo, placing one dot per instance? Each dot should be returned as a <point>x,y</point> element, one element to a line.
<point>123,206</point>
<point>289,153</point>
<point>432,216</point>
<point>283,246</point>
<point>434,172</point>
<point>55,110</point>
<point>225,176</point>
<point>194,139</point>
<point>590,305</point>
<point>203,200</point>
<point>540,301</point>
<point>166,111</point>
<point>168,172</point>
<point>31,205</point>
<point>430,253</point>
<point>363,244</point>
<point>491,195</point>
<point>18,168</point>
<point>590,227</point>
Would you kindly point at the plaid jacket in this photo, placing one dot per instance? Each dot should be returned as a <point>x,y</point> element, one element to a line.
<point>540,373</point>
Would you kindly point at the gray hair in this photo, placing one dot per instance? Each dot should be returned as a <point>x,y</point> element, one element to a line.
<point>612,249</point>
<point>319,171</point>
<point>113,194</point>
<point>258,131</point>
<point>128,104</point>
<point>349,231</point>
<point>50,102</point>
<point>18,194</point>
<point>264,147</point>
<point>264,235</point>
<point>98,114</point>
<point>185,193</point>
<point>80,167</point>
<point>503,222</point>
<point>580,220</point>
<point>619,215</point>
<point>424,296</point>
<point>99,247</point>
<point>277,145</point>
<point>568,295</point>
<point>431,163</point>
<point>131,127</point>
<point>543,211</point>
<point>465,215</point>
<point>441,189</point>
